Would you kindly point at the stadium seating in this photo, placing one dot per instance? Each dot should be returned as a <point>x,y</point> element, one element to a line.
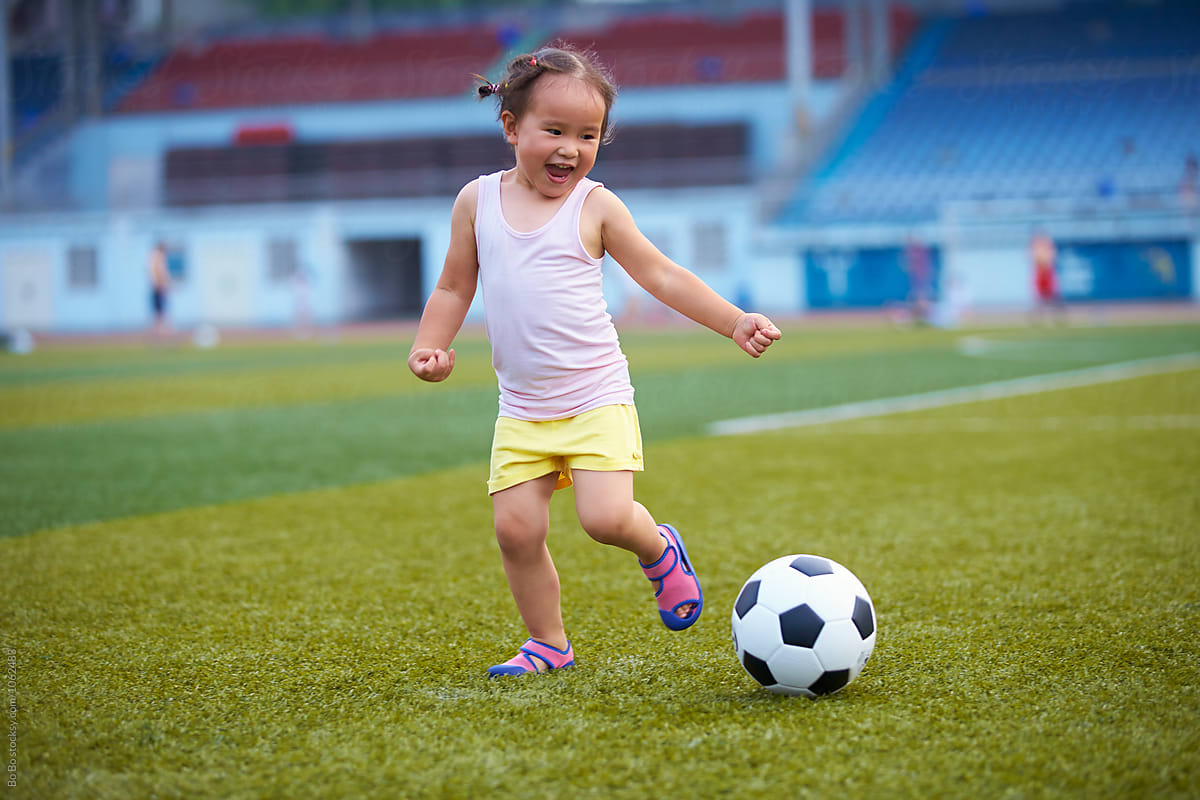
<point>36,86</point>
<point>682,49</point>
<point>643,156</point>
<point>37,81</point>
<point>656,50</point>
<point>1067,104</point>
<point>664,50</point>
<point>317,69</point>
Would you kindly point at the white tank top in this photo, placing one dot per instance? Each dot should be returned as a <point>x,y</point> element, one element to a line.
<point>554,347</point>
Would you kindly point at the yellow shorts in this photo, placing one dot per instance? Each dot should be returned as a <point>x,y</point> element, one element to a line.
<point>605,439</point>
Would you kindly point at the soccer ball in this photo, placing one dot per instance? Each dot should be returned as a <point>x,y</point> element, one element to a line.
<point>803,625</point>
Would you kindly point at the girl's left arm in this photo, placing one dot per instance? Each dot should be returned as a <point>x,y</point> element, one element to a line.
<point>675,286</point>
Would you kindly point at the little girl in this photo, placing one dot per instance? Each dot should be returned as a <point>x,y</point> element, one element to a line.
<point>534,237</point>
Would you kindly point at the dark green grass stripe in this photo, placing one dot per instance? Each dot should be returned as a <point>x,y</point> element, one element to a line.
<point>61,475</point>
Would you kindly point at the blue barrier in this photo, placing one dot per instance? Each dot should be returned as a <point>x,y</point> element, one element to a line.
<point>864,278</point>
<point>1145,270</point>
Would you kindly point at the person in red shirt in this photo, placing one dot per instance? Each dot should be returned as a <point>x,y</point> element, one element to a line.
<point>1044,254</point>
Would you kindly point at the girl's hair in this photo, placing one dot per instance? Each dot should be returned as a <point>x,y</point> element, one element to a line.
<point>516,87</point>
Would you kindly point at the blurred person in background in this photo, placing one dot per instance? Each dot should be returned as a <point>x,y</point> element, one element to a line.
<point>1048,303</point>
<point>160,287</point>
<point>918,264</point>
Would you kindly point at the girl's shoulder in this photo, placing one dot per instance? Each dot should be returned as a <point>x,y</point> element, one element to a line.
<point>468,195</point>
<point>602,213</point>
<point>604,207</point>
<point>470,190</point>
<point>467,199</point>
<point>602,201</point>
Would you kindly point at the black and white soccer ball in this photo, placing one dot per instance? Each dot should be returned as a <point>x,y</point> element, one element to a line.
<point>803,625</point>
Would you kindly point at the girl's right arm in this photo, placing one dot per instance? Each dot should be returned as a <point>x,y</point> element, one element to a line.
<point>431,357</point>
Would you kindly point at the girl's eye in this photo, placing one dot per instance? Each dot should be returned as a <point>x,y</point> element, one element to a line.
<point>589,136</point>
<point>554,131</point>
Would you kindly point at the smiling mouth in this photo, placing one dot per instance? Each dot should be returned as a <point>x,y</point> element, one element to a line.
<point>559,172</point>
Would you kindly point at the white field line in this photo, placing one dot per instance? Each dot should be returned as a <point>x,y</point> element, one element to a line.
<point>1089,423</point>
<point>1016,387</point>
<point>1025,349</point>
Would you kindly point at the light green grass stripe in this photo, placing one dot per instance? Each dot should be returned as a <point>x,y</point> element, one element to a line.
<point>994,390</point>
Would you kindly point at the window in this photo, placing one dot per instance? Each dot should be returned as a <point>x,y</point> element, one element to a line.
<point>709,245</point>
<point>282,260</point>
<point>83,274</point>
<point>660,238</point>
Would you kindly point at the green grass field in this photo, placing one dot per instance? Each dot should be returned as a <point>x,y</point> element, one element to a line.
<point>267,570</point>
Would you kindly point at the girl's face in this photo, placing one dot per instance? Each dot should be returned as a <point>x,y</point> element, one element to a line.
<point>558,136</point>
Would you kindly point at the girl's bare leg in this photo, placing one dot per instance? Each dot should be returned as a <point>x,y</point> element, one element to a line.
<point>607,511</point>
<point>522,519</point>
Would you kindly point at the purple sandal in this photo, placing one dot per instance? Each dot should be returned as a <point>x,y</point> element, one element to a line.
<point>523,661</point>
<point>676,587</point>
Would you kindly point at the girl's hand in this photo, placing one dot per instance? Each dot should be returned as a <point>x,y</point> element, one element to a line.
<point>431,365</point>
<point>754,333</point>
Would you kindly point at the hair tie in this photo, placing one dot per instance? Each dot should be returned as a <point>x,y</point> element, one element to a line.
<point>487,88</point>
<point>533,61</point>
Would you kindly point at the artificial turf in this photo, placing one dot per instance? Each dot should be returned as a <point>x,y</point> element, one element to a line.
<point>1033,563</point>
<point>98,435</point>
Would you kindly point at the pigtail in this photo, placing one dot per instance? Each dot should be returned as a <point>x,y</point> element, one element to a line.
<point>486,87</point>
<point>521,70</point>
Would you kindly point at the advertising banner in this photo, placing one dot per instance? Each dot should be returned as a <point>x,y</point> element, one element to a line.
<point>1149,270</point>
<point>871,277</point>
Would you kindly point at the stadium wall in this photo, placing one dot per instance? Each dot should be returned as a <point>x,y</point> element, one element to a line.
<point>220,261</point>
<point>87,272</point>
<point>1119,258</point>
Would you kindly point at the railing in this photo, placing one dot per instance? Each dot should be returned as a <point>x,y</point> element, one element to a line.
<point>923,195</point>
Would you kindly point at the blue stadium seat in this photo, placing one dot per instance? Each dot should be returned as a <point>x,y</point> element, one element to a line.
<point>1085,101</point>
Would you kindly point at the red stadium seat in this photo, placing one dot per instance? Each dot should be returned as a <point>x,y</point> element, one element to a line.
<point>301,70</point>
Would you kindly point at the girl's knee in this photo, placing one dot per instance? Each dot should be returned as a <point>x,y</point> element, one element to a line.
<point>607,524</point>
<point>516,533</point>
